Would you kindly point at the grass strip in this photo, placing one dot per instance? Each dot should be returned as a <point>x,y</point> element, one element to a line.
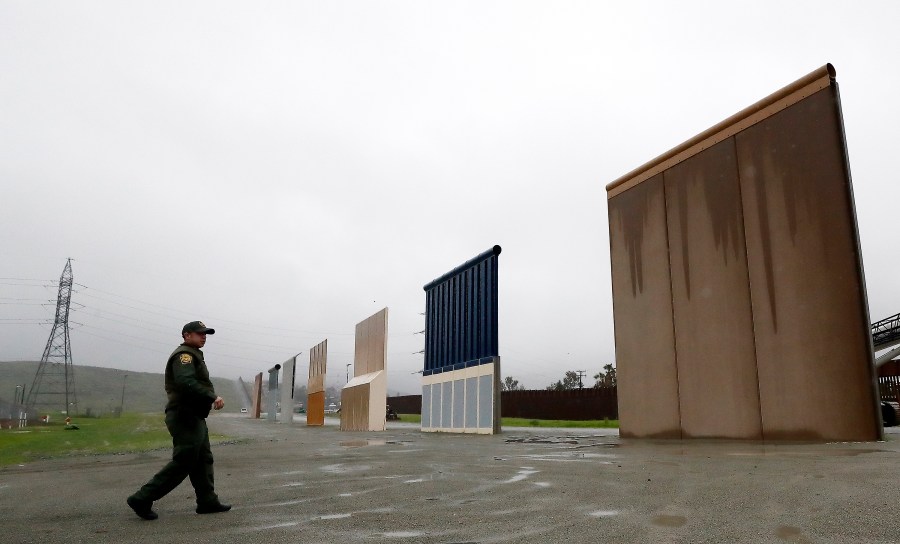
<point>126,434</point>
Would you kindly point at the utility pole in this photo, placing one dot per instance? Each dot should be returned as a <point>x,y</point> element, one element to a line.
<point>53,387</point>
<point>581,374</point>
<point>122,402</point>
<point>348,372</point>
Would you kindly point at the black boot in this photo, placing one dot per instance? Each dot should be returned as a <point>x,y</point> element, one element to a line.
<point>142,508</point>
<point>213,508</point>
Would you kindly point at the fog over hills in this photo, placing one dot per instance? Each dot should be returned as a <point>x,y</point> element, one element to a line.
<point>99,390</point>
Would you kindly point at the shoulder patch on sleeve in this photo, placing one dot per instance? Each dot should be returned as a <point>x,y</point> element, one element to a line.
<point>186,358</point>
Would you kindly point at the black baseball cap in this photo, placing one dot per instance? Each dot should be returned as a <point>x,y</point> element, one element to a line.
<point>197,326</point>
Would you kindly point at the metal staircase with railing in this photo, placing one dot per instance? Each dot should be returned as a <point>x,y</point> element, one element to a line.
<point>886,334</point>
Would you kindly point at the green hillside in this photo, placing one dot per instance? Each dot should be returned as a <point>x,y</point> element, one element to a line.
<point>99,390</point>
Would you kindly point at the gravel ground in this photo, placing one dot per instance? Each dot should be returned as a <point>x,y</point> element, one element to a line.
<point>297,484</point>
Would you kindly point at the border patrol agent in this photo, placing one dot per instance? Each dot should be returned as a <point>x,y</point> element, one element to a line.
<point>191,396</point>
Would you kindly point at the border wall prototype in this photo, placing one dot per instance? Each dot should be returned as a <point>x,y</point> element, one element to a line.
<point>461,378</point>
<point>288,378</point>
<point>256,409</point>
<point>364,398</point>
<point>738,289</point>
<point>315,386</point>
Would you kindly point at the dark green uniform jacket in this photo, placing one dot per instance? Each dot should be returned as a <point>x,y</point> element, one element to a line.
<point>187,382</point>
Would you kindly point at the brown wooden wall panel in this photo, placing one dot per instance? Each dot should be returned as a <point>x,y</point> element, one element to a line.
<point>642,304</point>
<point>315,385</point>
<point>315,408</point>
<point>809,307</point>
<point>715,353</point>
<point>355,408</point>
<point>318,367</point>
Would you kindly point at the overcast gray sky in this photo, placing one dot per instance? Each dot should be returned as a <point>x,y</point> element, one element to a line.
<point>282,170</point>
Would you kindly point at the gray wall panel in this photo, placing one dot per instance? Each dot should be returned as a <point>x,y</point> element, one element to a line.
<point>485,401</point>
<point>471,403</point>
<point>436,404</point>
<point>426,406</point>
<point>459,397</point>
<point>446,404</point>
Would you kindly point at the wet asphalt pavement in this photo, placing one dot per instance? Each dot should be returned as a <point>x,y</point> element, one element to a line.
<point>293,484</point>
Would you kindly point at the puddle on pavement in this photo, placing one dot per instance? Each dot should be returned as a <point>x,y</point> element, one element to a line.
<point>542,484</point>
<point>335,516</point>
<point>285,503</point>
<point>275,526</point>
<point>403,534</point>
<point>790,534</point>
<point>604,513</point>
<point>818,452</point>
<point>521,475</point>
<point>292,484</point>
<point>341,468</point>
<point>363,443</point>
<point>854,453</point>
<point>541,440</point>
<point>288,473</point>
<point>597,445</point>
<point>574,440</point>
<point>669,521</point>
<point>571,455</point>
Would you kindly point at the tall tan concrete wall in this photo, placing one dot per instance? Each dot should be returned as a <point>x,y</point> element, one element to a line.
<point>810,314</point>
<point>711,297</point>
<point>642,301</point>
<point>738,289</point>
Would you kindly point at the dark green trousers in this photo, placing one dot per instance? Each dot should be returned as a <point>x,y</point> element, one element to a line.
<point>191,458</point>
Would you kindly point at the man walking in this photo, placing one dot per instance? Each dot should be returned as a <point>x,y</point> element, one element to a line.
<point>191,396</point>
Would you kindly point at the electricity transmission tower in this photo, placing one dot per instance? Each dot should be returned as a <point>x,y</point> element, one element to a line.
<point>53,388</point>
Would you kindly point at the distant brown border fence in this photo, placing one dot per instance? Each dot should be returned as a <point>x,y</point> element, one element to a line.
<point>889,381</point>
<point>573,404</point>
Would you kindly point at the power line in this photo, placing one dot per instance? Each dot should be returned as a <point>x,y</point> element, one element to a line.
<point>294,336</point>
<point>168,331</point>
<point>297,334</point>
<point>24,322</point>
<point>159,351</point>
<point>210,318</point>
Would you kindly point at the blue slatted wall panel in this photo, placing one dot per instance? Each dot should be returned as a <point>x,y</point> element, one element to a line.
<point>461,315</point>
